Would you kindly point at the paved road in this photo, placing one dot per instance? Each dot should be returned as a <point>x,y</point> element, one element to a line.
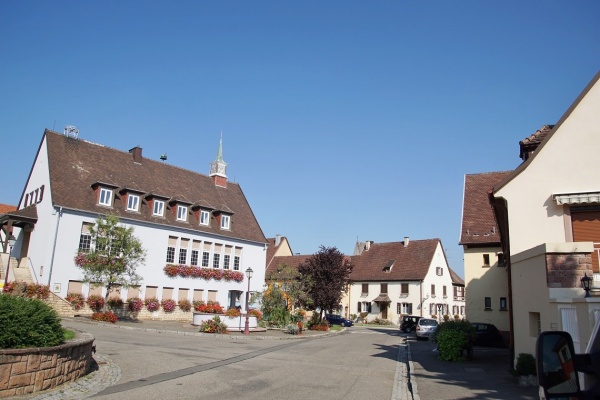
<point>360,363</point>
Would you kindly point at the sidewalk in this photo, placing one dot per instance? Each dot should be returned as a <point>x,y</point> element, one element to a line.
<point>485,377</point>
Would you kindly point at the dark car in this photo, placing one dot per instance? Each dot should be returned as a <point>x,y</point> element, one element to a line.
<point>408,323</point>
<point>338,320</point>
<point>487,335</point>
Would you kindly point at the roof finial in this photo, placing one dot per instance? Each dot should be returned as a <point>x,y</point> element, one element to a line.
<point>218,167</point>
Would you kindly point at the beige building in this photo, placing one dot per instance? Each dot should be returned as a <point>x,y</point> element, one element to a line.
<point>486,278</point>
<point>548,213</point>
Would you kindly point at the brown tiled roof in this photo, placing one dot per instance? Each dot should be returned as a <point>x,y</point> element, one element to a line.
<point>279,262</point>
<point>409,262</point>
<point>478,222</point>
<point>76,165</point>
<point>6,208</point>
<point>456,279</point>
<point>531,143</point>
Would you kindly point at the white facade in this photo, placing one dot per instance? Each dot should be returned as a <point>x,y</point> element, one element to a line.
<point>53,243</point>
<point>566,162</point>
<point>434,295</point>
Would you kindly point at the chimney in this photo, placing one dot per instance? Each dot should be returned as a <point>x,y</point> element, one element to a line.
<point>137,154</point>
<point>368,244</point>
<point>277,240</point>
<point>406,240</point>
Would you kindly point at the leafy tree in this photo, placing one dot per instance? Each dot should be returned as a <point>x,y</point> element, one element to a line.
<point>275,305</point>
<point>324,276</point>
<point>289,280</point>
<point>114,255</point>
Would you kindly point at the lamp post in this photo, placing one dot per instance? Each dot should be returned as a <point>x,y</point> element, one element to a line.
<point>11,244</point>
<point>247,325</point>
<point>586,282</point>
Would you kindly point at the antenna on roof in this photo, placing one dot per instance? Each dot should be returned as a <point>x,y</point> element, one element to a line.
<point>163,157</point>
<point>71,131</point>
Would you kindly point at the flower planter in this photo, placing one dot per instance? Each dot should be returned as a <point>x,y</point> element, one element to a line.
<point>233,323</point>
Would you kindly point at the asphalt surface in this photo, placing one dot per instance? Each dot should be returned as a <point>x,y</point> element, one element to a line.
<point>419,374</point>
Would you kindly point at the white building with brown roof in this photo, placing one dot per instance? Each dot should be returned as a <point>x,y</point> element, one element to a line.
<point>411,277</point>
<point>181,217</point>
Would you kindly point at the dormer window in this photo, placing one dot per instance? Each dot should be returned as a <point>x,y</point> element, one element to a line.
<point>181,213</point>
<point>105,198</point>
<point>225,221</point>
<point>204,217</point>
<point>133,202</point>
<point>158,208</point>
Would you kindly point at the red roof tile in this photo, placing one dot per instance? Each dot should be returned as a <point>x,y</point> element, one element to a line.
<point>478,222</point>
<point>6,208</point>
<point>409,262</point>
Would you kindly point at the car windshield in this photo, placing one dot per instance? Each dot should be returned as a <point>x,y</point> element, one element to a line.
<point>428,322</point>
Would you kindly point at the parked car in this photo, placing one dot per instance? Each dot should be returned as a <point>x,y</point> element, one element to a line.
<point>425,328</point>
<point>487,335</point>
<point>334,319</point>
<point>408,323</point>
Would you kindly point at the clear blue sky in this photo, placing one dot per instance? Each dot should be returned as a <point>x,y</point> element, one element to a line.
<point>341,120</point>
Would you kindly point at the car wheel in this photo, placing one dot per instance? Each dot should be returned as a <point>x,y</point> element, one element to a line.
<point>406,330</point>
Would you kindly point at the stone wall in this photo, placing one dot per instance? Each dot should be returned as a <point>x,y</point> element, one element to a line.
<point>566,270</point>
<point>24,371</point>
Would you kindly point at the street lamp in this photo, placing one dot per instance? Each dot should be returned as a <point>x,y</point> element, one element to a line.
<point>11,244</point>
<point>247,326</point>
<point>586,282</point>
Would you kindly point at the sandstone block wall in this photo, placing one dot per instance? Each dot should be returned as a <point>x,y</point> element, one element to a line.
<point>24,371</point>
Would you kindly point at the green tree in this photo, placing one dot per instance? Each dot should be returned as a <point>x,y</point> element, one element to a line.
<point>289,280</point>
<point>114,256</point>
<point>274,306</point>
<point>324,277</point>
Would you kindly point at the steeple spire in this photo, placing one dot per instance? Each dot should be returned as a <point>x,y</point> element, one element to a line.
<point>218,167</point>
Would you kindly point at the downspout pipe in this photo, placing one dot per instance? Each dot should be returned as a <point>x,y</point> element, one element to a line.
<point>58,216</point>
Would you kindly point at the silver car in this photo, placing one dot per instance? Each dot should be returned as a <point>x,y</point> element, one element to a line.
<point>425,328</point>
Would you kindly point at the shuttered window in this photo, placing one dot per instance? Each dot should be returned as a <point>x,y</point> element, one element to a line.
<point>586,228</point>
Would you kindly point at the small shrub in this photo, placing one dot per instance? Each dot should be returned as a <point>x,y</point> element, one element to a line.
<point>152,304</point>
<point>525,365</point>
<point>185,305</point>
<point>76,300</point>
<point>104,317</point>
<point>214,326</point>
<point>168,305</point>
<point>378,321</point>
<point>28,323</point>
<point>292,329</point>
<point>96,302</point>
<point>115,302</point>
<point>135,304</point>
<point>323,326</point>
<point>233,312</point>
<point>452,338</point>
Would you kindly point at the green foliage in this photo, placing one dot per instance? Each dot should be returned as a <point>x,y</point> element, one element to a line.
<point>289,280</point>
<point>28,322</point>
<point>452,337</point>
<point>525,365</point>
<point>292,329</point>
<point>275,307</point>
<point>213,326</point>
<point>324,277</point>
<point>114,256</point>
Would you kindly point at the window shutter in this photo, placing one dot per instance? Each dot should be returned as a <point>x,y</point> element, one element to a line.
<point>358,306</point>
<point>586,228</point>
